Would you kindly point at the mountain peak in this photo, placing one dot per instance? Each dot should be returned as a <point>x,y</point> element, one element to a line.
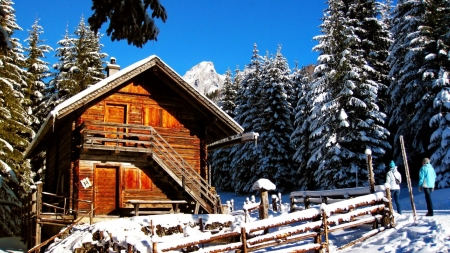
<point>204,78</point>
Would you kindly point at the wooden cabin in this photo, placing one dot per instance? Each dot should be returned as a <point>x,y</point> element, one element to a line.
<point>137,140</point>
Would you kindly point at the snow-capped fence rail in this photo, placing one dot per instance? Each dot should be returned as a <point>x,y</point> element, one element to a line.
<point>313,224</point>
<point>306,198</point>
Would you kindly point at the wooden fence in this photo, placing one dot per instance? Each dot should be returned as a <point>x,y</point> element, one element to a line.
<point>308,228</point>
<point>315,223</point>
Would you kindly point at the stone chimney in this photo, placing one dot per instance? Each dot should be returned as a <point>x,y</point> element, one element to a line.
<point>112,67</point>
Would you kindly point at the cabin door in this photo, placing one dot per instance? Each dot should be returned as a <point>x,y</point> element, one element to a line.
<point>115,113</point>
<point>106,185</point>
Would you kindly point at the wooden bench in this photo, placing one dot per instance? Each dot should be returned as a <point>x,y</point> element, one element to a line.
<point>174,203</point>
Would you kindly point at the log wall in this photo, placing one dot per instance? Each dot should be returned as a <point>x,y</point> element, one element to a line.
<point>165,111</point>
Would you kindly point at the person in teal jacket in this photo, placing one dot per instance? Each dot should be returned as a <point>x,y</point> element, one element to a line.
<point>427,179</point>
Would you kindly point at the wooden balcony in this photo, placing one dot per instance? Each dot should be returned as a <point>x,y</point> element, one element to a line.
<point>145,140</point>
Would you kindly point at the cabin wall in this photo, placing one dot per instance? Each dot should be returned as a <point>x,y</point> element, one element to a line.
<point>113,190</point>
<point>58,161</point>
<point>165,112</point>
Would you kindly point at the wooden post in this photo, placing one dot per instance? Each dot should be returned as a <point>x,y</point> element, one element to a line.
<point>325,229</point>
<point>408,178</point>
<point>274,203</point>
<point>369,167</point>
<point>136,209</point>
<point>38,213</point>
<point>292,204</point>
<point>390,218</point>
<point>152,228</point>
<point>318,238</point>
<point>30,242</point>
<point>244,240</point>
<point>155,247</point>
<point>264,207</point>
<point>200,224</point>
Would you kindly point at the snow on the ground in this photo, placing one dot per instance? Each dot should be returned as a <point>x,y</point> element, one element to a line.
<point>425,234</point>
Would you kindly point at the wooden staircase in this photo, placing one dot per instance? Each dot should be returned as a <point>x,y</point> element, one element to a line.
<point>145,139</point>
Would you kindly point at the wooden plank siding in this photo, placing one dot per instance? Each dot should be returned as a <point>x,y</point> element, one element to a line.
<point>134,183</point>
<point>58,162</point>
<point>142,109</point>
<point>141,105</point>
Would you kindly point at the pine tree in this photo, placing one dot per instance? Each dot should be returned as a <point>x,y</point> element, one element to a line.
<point>300,137</point>
<point>244,158</point>
<point>434,34</point>
<point>406,89</point>
<point>81,63</point>
<point>39,71</point>
<point>221,158</point>
<point>346,119</point>
<point>275,124</point>
<point>15,133</point>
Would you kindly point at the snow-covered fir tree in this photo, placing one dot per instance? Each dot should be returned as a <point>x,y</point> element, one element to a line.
<point>244,158</point>
<point>435,36</point>
<point>275,124</point>
<point>81,63</point>
<point>40,71</point>
<point>407,90</point>
<point>221,158</point>
<point>346,118</point>
<point>301,78</point>
<point>15,130</point>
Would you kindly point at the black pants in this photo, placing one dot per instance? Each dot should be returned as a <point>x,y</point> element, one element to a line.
<point>427,192</point>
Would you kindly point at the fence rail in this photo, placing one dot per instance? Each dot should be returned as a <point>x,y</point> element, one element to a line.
<point>311,226</point>
<point>314,223</point>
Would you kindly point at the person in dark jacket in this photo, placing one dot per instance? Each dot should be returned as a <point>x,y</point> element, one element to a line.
<point>427,179</point>
<point>394,179</point>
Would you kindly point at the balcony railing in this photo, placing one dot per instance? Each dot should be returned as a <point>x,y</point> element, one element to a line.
<point>145,139</point>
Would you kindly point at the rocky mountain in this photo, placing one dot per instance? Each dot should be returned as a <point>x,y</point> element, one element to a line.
<point>205,79</point>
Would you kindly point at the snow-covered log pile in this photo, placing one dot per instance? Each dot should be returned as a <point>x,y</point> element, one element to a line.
<point>139,233</point>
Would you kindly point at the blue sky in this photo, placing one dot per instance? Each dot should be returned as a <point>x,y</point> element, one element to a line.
<point>201,30</point>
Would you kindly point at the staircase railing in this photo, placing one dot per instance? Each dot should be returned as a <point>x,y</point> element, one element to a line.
<point>139,138</point>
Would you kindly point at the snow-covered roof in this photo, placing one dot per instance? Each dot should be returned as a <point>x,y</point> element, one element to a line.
<point>118,79</point>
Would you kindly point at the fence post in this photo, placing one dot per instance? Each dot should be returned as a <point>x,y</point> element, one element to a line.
<point>292,204</point>
<point>155,247</point>
<point>325,229</point>
<point>264,207</point>
<point>244,240</point>
<point>368,152</point>
<point>318,238</point>
<point>390,220</point>
<point>38,208</point>
<point>274,203</point>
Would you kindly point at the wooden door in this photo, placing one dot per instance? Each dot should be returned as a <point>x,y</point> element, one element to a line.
<point>115,113</point>
<point>106,197</point>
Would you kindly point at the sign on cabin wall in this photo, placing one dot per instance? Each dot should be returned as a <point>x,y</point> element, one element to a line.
<point>85,183</point>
